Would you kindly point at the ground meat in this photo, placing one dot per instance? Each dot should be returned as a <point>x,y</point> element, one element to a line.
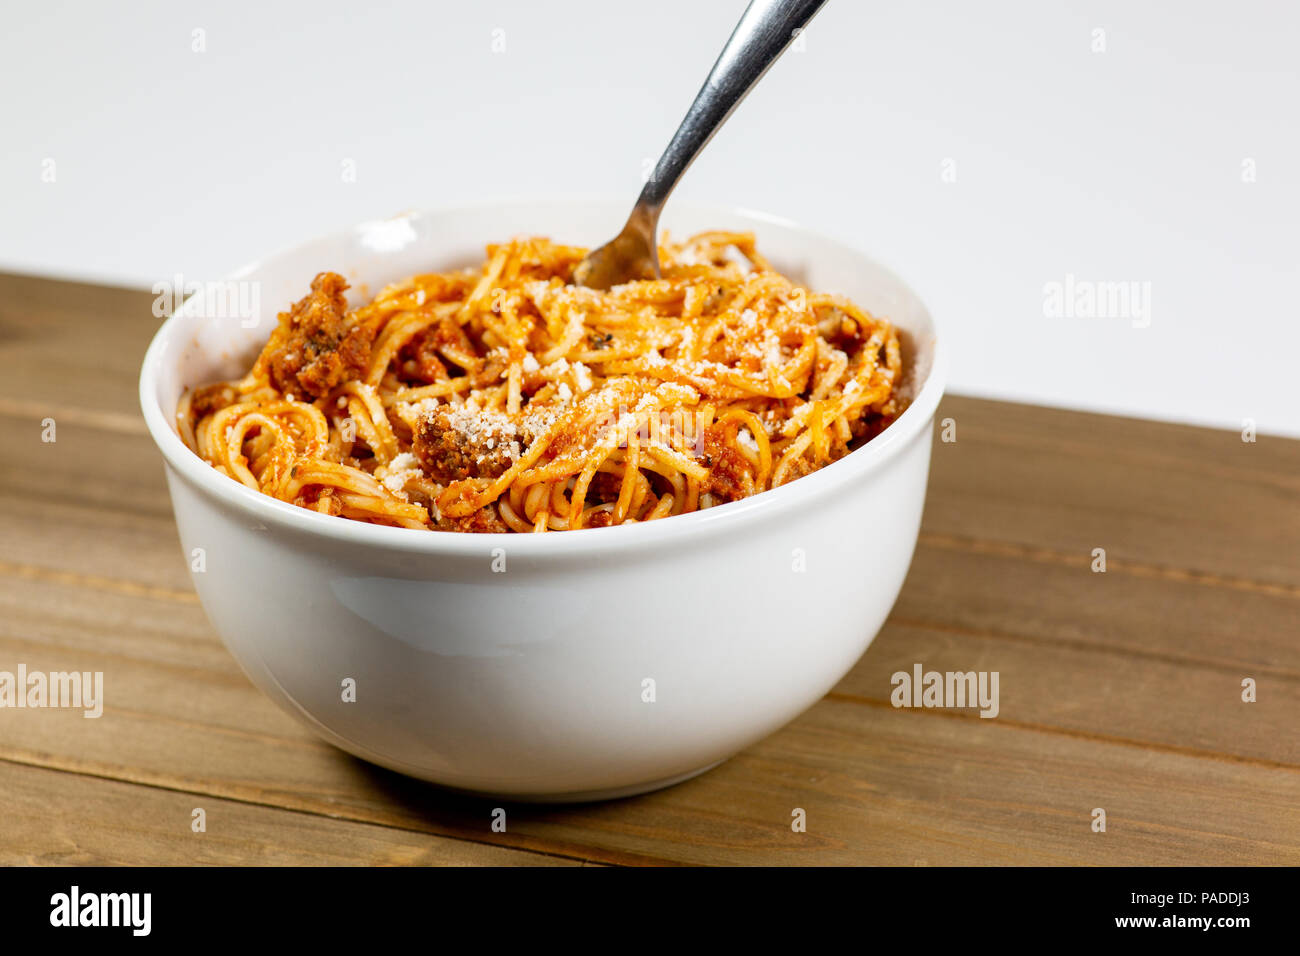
<point>839,330</point>
<point>315,347</point>
<point>419,358</point>
<point>604,487</point>
<point>727,467</point>
<point>311,496</point>
<point>453,444</point>
<point>483,521</point>
<point>862,430</point>
<point>211,398</point>
<point>599,519</point>
<point>798,468</point>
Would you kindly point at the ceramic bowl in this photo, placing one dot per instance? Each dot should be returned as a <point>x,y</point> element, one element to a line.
<point>568,666</point>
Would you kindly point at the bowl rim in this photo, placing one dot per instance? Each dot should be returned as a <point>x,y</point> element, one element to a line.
<point>729,516</point>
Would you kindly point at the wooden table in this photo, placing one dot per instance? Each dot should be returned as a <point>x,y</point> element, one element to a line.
<point>1119,690</point>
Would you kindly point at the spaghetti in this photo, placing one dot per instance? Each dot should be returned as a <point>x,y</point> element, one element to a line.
<point>508,399</point>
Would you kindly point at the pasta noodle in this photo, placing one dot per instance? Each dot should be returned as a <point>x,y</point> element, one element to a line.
<point>508,399</point>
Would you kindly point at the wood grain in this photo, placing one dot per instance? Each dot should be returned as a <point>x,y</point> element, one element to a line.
<point>1149,493</point>
<point>1119,690</point>
<point>179,715</point>
<point>62,819</point>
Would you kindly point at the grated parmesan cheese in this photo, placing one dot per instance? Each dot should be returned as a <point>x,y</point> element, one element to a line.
<point>400,470</point>
<point>583,376</point>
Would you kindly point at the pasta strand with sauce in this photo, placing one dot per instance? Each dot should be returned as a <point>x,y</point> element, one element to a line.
<point>508,399</point>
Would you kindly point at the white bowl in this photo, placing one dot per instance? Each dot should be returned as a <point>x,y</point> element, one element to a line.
<point>532,682</point>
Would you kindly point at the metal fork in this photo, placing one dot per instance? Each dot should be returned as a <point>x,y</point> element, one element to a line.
<point>765,29</point>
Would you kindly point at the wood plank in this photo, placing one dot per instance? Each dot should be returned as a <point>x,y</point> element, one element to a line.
<point>53,818</point>
<point>179,715</point>
<point>1148,492</point>
<point>878,786</point>
<point>977,590</point>
<point>43,537</point>
<point>84,465</point>
<point>72,345</point>
<point>167,626</point>
<point>1107,694</point>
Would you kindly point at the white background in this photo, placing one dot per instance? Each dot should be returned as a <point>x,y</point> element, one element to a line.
<point>1123,165</point>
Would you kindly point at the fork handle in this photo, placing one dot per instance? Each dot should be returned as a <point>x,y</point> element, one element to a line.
<point>765,29</point>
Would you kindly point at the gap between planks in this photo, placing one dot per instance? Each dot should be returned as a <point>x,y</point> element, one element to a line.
<point>1091,736</point>
<point>528,844</point>
<point>22,760</point>
<point>119,422</point>
<point>1178,660</point>
<point>1137,569</point>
